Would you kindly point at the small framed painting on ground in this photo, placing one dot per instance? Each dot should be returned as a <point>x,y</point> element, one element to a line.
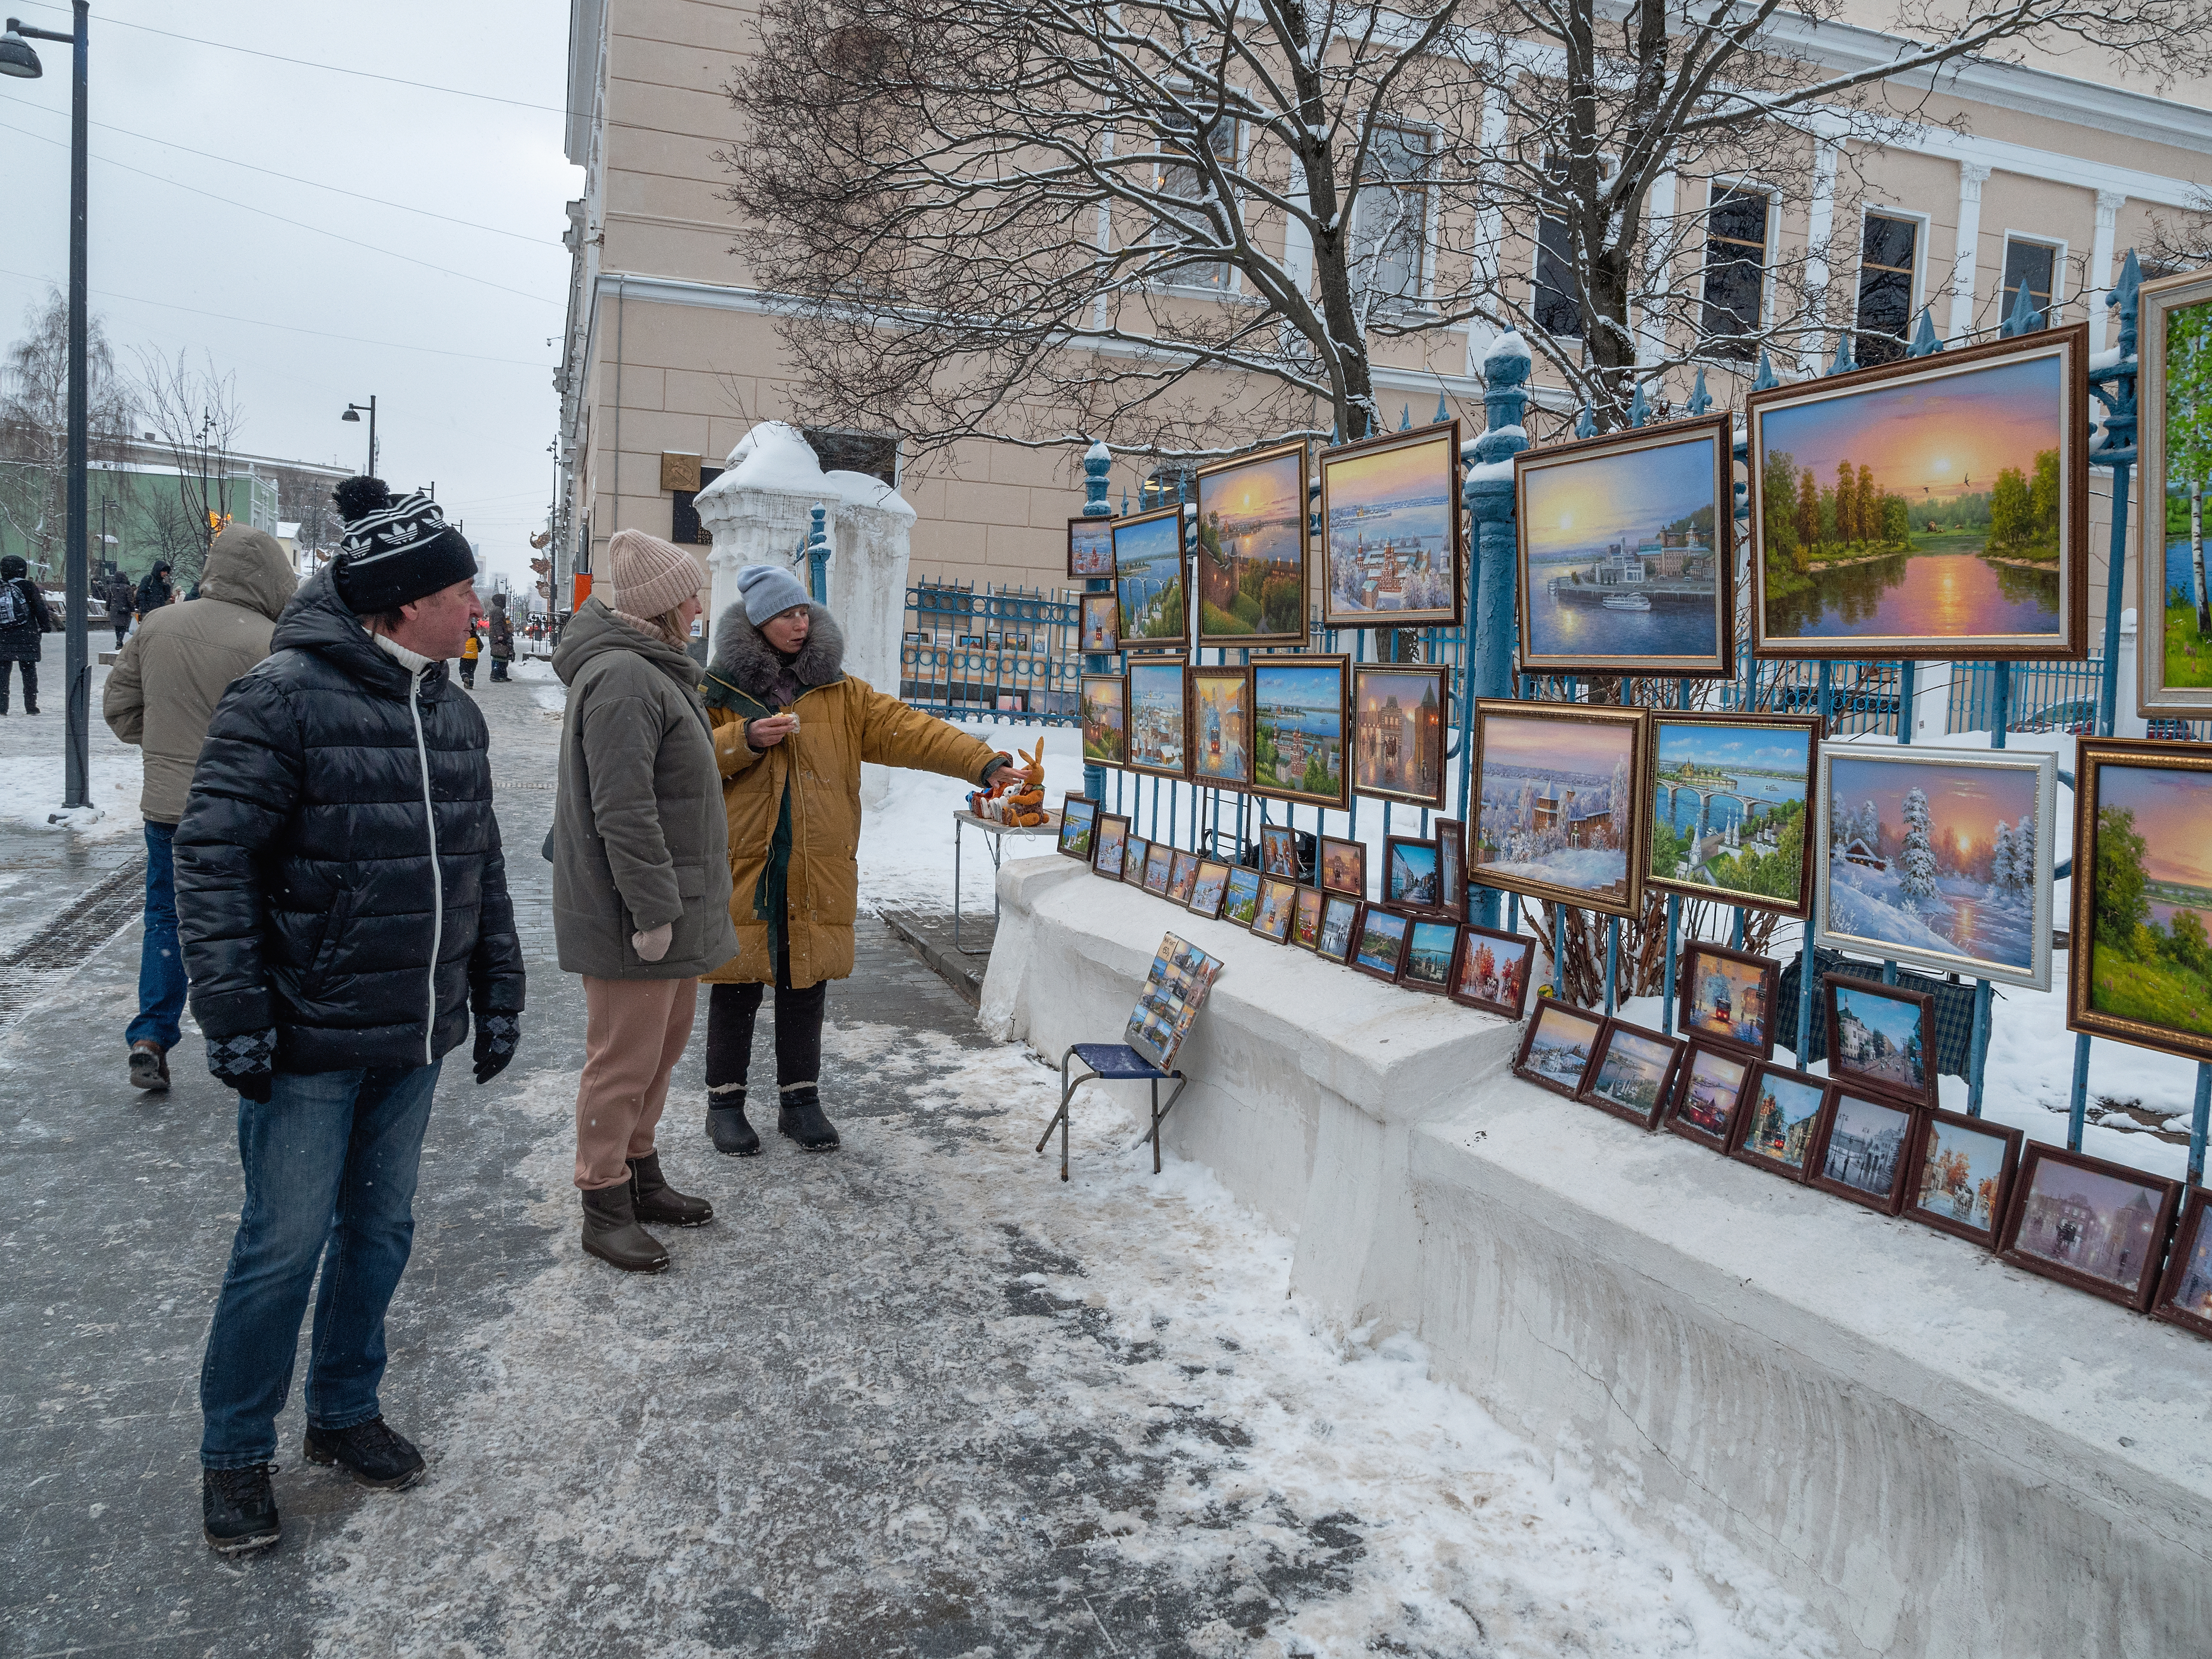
<point>1626,558</point>
<point>1398,733</point>
<point>1340,917</point>
<point>1450,838</point>
<point>1182,877</point>
<point>1159,736</point>
<point>1279,851</point>
<point>2174,338</point>
<point>1393,536</point>
<point>1278,899</point>
<point>1148,578</point>
<point>1380,949</point>
<point>1776,1124</point>
<point>1429,951</point>
<point>1864,1148</point>
<point>1090,550</point>
<point>2185,1295</point>
<point>1410,880</point>
<point>1240,899</point>
<point>1110,846</point>
<point>2099,1227</point>
<point>1709,1094</point>
<point>1937,857</point>
<point>2140,968</point>
<point>1554,808</point>
<point>1134,855</point>
<point>1219,700</point>
<point>1250,559</point>
<point>1105,719</point>
<point>1160,869</point>
<point>1632,1073</point>
<point>1962,1171</point>
<point>1881,1038</point>
<point>1727,997</point>
<point>1208,888</point>
<point>1728,800</point>
<point>1556,1049</point>
<point>1099,623</point>
<point>1079,818</point>
<point>1298,729</point>
<point>1344,866</point>
<point>1492,970</point>
<point>1934,507</point>
<point>1305,925</point>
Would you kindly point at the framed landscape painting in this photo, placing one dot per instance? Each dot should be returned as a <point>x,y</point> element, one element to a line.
<point>1553,805</point>
<point>1240,899</point>
<point>1279,851</point>
<point>1305,924</point>
<point>1937,857</point>
<point>1411,875</point>
<point>1298,729</point>
<point>1380,947</point>
<point>1451,864</point>
<point>1962,1171</point>
<point>1219,700</point>
<point>2140,968</point>
<point>1776,1124</point>
<point>1727,997</point>
<point>1134,852</point>
<point>1157,732</point>
<point>1110,847</point>
<point>1078,817</point>
<point>2174,438</point>
<point>1182,877</point>
<point>1339,916</point>
<point>1278,909</point>
<point>1148,578</point>
<point>1344,866</point>
<point>1160,869</point>
<point>2185,1295</point>
<point>2099,1227</point>
<point>1398,733</point>
<point>1626,559</point>
<point>1209,886</point>
<point>1865,1148</point>
<point>1492,970</point>
<point>1394,532</point>
<point>1556,1049</point>
<point>1250,559</point>
<point>1935,507</point>
<point>1631,1073</point>
<point>1710,1093</point>
<point>1090,547</point>
<point>1728,797</point>
<point>1428,953</point>
<point>1881,1038</point>
<point>1101,624</point>
<point>1105,719</point>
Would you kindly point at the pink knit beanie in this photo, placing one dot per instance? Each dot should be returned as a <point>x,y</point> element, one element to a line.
<point>649,575</point>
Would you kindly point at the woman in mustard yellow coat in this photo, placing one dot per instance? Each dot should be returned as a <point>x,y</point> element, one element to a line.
<point>791,730</point>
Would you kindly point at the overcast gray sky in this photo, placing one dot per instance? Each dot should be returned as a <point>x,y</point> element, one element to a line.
<point>460,363</point>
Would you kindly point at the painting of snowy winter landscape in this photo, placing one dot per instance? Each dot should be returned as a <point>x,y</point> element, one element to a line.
<point>1940,858</point>
<point>1553,815</point>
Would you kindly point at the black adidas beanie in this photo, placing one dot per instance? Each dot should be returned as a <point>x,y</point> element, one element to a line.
<point>395,550</point>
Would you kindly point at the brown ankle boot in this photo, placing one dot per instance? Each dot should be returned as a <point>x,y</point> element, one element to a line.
<point>611,1232</point>
<point>652,1198</point>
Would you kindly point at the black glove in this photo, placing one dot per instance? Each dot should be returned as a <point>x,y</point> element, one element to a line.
<point>496,1037</point>
<point>247,1062</point>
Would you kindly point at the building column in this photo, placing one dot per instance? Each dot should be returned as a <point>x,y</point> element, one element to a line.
<point>1819,232</point>
<point>2100,262</point>
<point>1489,231</point>
<point>1972,175</point>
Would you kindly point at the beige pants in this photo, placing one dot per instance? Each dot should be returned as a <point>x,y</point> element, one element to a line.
<point>634,1031</point>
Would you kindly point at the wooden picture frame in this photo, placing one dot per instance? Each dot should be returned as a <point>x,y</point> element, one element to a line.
<point>1279,851</point>
<point>2112,1221</point>
<point>1450,838</point>
<point>1240,899</point>
<point>1395,745</point>
<point>1182,877</point>
<point>1305,924</point>
<point>1782,1143</point>
<point>1133,860</point>
<point>1431,948</point>
<point>1962,1167</point>
<point>1109,845</point>
<point>1648,1052</point>
<point>1882,1055</point>
<point>1264,494</point>
<point>1279,900</point>
<point>2185,1289</point>
<point>1104,704</point>
<point>1557,1046</point>
<point>1218,705</point>
<point>1502,988</point>
<point>1755,755</point>
<point>1078,823</point>
<point>1155,614</point>
<point>1090,547</point>
<point>1339,927</point>
<point>1315,688</point>
<point>1611,524</point>
<point>1159,868</point>
<point>1710,1072</point>
<point>1520,749</point>
<point>1412,874</point>
<point>1158,729</point>
<point>1099,623</point>
<point>1411,479</point>
<point>1741,979</point>
<point>2167,308</point>
<point>1379,943</point>
<point>1343,866</point>
<point>2115,989</point>
<point>1209,887</point>
<point>1986,409</point>
<point>1863,1147</point>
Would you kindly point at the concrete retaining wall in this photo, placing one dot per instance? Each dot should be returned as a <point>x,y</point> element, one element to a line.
<point>1944,1455</point>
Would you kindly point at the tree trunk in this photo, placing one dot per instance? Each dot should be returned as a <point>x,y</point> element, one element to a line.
<point>2197,558</point>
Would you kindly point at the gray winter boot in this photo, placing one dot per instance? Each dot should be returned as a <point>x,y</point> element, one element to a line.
<point>611,1232</point>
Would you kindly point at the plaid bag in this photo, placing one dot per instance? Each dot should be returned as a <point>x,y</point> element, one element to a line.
<point>1954,1008</point>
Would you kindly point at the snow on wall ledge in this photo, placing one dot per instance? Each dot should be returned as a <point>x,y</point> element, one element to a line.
<point>1944,1455</point>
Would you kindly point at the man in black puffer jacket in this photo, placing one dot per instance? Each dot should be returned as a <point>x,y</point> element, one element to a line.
<point>343,904</point>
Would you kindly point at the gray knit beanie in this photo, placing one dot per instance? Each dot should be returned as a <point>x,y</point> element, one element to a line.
<point>770,590</point>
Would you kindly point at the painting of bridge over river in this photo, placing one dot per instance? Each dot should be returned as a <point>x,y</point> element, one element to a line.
<point>1936,510</point>
<point>2148,977</point>
<point>1727,805</point>
<point>1625,559</point>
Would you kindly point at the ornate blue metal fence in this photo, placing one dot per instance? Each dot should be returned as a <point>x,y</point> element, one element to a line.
<point>1005,653</point>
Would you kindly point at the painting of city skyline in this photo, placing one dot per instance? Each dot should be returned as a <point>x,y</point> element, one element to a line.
<point>1105,719</point>
<point>1936,508</point>
<point>2144,816</point>
<point>1220,702</point>
<point>2099,1226</point>
<point>1429,956</point>
<point>1090,547</point>
<point>1392,521</point>
<point>1298,729</point>
<point>1784,1110</point>
<point>1251,552</point>
<point>1557,1049</point>
<point>1712,1086</point>
<point>1148,576</point>
<point>1624,563</point>
<point>1553,804</point>
<point>1863,1155</point>
<point>1157,726</point>
<point>1633,1072</point>
<point>1398,733</point>
<point>1728,800</point>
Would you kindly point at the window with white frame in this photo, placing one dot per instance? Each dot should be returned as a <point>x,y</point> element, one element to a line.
<point>1736,271</point>
<point>1889,255</point>
<point>1192,183</point>
<point>2033,265</point>
<point>1390,218</point>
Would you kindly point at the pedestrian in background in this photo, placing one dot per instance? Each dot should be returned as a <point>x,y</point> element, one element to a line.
<point>342,900</point>
<point>792,791</point>
<point>641,881</point>
<point>501,631</point>
<point>154,589</point>
<point>470,648</point>
<point>25,620</point>
<point>161,695</point>
<point>121,594</point>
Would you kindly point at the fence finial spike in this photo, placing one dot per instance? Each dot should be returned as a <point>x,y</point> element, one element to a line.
<point>1844,361</point>
<point>1767,378</point>
<point>1639,407</point>
<point>1701,401</point>
<point>1926,341</point>
<point>2123,298</point>
<point>2024,318</point>
<point>1405,417</point>
<point>1586,423</point>
<point>1442,413</point>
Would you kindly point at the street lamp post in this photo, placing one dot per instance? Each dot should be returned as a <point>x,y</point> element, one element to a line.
<point>354,412</point>
<point>18,59</point>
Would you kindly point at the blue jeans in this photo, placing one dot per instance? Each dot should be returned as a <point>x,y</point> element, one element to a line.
<point>161,958</point>
<point>329,1178</point>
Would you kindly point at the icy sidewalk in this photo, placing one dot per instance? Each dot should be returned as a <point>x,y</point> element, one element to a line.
<point>921,1398</point>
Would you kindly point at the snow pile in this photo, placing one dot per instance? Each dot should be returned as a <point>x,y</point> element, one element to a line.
<point>906,845</point>
<point>773,457</point>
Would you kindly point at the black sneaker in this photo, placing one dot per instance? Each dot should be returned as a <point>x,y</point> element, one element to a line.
<point>238,1509</point>
<point>371,1452</point>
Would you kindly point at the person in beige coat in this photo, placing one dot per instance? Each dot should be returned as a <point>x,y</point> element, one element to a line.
<point>161,694</point>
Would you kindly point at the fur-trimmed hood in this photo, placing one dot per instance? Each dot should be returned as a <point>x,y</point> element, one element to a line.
<point>744,662</point>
